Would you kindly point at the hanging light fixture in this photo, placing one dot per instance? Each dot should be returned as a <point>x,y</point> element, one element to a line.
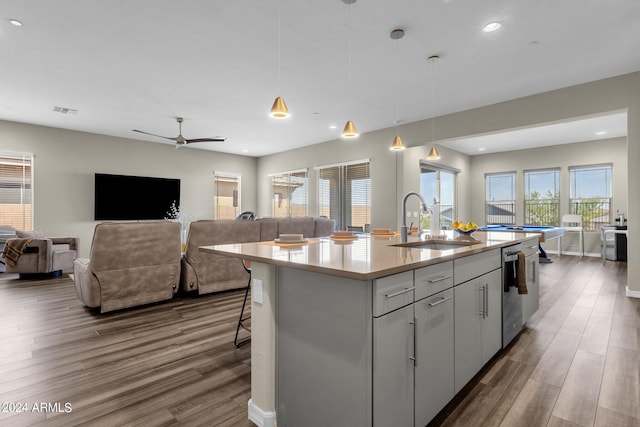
<point>397,144</point>
<point>350,130</point>
<point>279,109</point>
<point>433,154</point>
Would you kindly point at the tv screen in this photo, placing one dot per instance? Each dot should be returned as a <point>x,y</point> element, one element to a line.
<point>123,197</point>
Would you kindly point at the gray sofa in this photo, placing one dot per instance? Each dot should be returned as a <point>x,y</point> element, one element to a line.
<point>42,255</point>
<point>131,264</point>
<point>205,272</point>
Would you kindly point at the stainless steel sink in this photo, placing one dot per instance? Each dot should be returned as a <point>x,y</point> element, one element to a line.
<point>439,245</point>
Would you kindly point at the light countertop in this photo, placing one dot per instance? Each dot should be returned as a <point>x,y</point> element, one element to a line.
<point>366,257</point>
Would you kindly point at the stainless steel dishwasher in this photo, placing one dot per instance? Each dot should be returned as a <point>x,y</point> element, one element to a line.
<point>511,300</point>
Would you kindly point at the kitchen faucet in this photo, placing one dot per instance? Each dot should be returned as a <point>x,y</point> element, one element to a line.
<point>425,209</point>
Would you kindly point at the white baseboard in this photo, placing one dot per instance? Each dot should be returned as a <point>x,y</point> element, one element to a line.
<point>632,294</point>
<point>259,417</point>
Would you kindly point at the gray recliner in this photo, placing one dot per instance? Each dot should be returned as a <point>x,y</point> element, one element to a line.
<point>131,264</point>
<point>31,253</point>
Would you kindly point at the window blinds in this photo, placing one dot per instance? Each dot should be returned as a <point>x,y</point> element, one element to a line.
<point>344,194</point>
<point>227,195</point>
<point>289,193</point>
<point>16,198</point>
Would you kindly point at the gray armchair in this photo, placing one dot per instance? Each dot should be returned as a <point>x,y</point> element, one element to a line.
<point>40,255</point>
<point>131,264</point>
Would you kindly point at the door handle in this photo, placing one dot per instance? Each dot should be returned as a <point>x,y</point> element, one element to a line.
<point>486,300</point>
<point>439,279</point>
<point>404,291</point>
<point>481,312</point>
<point>433,304</point>
<point>413,357</point>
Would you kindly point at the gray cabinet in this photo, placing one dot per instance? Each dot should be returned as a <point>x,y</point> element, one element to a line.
<point>393,370</point>
<point>413,348</point>
<point>478,325</point>
<point>531,301</point>
<point>434,386</point>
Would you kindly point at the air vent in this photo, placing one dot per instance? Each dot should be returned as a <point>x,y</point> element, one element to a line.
<point>64,110</point>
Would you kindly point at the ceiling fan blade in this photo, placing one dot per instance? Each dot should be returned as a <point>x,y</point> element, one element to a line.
<point>153,134</point>
<point>213,139</point>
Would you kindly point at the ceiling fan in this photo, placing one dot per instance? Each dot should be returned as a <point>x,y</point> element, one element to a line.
<point>180,140</point>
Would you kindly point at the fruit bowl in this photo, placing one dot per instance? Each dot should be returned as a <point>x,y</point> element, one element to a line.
<point>462,228</point>
<point>466,232</point>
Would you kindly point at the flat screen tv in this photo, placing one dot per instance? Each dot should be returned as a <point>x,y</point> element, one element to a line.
<point>123,197</point>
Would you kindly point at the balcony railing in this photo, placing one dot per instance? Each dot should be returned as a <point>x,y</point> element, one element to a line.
<point>542,212</point>
<point>501,212</point>
<point>594,213</point>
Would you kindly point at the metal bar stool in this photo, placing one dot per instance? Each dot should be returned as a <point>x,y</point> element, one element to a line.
<point>247,267</point>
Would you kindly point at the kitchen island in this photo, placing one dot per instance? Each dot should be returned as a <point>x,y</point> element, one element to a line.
<point>364,331</point>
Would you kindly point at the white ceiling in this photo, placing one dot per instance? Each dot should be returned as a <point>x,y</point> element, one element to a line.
<point>565,132</point>
<point>127,65</point>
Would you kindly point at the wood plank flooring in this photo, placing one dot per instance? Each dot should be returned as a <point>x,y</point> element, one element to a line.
<point>170,363</point>
<point>577,363</point>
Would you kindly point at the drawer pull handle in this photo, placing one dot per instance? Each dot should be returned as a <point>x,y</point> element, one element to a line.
<point>433,304</point>
<point>533,247</point>
<point>439,279</point>
<point>395,294</point>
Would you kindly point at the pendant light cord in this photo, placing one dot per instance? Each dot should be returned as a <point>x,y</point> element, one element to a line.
<point>279,86</point>
<point>349,51</point>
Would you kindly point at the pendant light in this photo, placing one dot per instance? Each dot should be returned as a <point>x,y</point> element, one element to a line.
<point>279,109</point>
<point>350,130</point>
<point>397,144</point>
<point>433,154</point>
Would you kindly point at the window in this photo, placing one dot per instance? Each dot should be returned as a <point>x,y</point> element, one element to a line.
<point>542,197</point>
<point>438,183</point>
<point>590,197</point>
<point>16,198</point>
<point>500,206</point>
<point>289,193</point>
<point>344,194</point>
<point>226,199</point>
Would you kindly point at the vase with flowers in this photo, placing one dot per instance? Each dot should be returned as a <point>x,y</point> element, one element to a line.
<point>174,214</point>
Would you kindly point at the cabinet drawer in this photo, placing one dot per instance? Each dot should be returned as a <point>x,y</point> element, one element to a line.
<point>530,246</point>
<point>433,279</point>
<point>476,265</point>
<point>392,292</point>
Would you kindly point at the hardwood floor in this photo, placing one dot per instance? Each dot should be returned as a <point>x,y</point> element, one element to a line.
<point>165,364</point>
<point>577,363</point>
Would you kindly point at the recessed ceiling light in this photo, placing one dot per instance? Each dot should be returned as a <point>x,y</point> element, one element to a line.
<point>15,22</point>
<point>481,149</point>
<point>433,59</point>
<point>244,150</point>
<point>601,133</point>
<point>491,27</point>
<point>333,127</point>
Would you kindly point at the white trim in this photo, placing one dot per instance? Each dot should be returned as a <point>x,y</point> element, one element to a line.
<point>289,172</point>
<point>632,294</point>
<point>227,174</point>
<point>260,417</point>
<point>352,162</point>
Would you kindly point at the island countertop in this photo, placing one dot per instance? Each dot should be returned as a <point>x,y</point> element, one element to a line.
<point>365,257</point>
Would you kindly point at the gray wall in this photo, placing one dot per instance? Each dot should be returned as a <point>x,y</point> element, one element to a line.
<point>561,156</point>
<point>66,160</point>
<point>615,94</point>
<point>65,163</point>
